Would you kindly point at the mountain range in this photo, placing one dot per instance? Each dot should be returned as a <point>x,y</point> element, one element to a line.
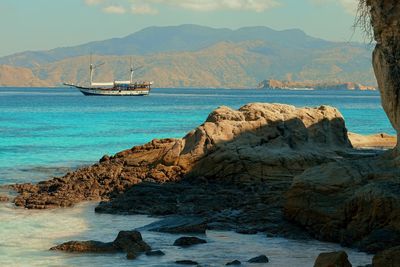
<point>196,56</point>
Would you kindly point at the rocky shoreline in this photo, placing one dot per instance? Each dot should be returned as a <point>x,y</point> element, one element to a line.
<point>263,168</point>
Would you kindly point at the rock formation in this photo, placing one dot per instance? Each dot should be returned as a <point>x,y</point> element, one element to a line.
<point>357,202</point>
<point>231,172</point>
<point>332,259</point>
<point>387,258</point>
<point>130,242</point>
<point>386,56</point>
<point>252,143</point>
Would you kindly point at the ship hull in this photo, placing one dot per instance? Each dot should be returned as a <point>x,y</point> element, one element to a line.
<point>114,92</point>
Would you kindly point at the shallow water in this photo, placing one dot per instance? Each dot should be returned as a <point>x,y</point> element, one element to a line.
<point>46,132</point>
<point>27,235</point>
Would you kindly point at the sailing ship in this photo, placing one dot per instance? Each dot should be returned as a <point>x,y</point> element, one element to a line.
<point>115,88</point>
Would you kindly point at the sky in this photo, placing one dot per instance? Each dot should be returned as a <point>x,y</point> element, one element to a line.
<point>46,24</point>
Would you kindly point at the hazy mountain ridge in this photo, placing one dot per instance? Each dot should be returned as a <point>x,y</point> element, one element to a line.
<point>196,56</point>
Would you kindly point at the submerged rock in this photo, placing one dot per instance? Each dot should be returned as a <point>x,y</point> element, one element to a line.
<point>187,241</point>
<point>332,259</point>
<point>235,262</point>
<point>259,259</point>
<point>130,242</point>
<point>179,225</point>
<point>186,262</point>
<point>155,253</point>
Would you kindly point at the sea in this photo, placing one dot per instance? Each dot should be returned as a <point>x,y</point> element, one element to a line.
<point>46,132</point>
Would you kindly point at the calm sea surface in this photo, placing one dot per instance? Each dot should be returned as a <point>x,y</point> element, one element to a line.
<point>45,132</point>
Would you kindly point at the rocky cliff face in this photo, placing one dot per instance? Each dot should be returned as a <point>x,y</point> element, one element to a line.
<point>385,18</point>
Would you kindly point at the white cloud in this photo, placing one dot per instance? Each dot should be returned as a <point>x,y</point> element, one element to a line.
<point>114,9</point>
<point>210,5</point>
<point>149,6</point>
<point>143,9</point>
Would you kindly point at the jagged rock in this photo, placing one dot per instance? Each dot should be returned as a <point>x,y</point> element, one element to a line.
<point>235,262</point>
<point>332,259</point>
<point>387,258</point>
<point>130,242</point>
<point>187,241</point>
<point>259,259</point>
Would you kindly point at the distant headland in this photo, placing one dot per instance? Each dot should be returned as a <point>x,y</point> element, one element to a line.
<point>314,85</point>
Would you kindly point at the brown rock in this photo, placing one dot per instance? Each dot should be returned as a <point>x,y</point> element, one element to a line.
<point>386,27</point>
<point>332,259</point>
<point>380,140</point>
<point>4,198</point>
<point>354,202</point>
<point>130,242</point>
<point>387,258</point>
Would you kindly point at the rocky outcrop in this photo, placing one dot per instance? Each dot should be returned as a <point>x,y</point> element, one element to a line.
<point>357,202</point>
<point>381,140</point>
<point>130,242</point>
<point>386,57</point>
<point>332,259</point>
<point>387,258</point>
<point>233,146</point>
<point>354,202</point>
<point>318,85</point>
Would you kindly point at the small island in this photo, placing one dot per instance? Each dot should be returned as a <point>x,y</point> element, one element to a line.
<point>314,85</point>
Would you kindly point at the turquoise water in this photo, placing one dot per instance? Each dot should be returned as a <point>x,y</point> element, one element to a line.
<point>44,132</point>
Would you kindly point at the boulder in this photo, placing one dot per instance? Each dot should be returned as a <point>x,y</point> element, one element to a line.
<point>332,259</point>
<point>235,262</point>
<point>259,259</point>
<point>387,258</point>
<point>187,241</point>
<point>130,242</point>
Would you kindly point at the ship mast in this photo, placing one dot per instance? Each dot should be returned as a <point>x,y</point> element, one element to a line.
<point>92,67</point>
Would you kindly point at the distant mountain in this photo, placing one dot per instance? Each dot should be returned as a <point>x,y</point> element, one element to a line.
<point>197,56</point>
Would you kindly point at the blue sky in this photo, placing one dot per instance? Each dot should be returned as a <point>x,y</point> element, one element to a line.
<point>46,24</point>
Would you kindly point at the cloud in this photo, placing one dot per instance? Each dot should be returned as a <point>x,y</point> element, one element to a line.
<point>211,5</point>
<point>149,7</point>
<point>143,9</point>
<point>93,2</point>
<point>114,9</point>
